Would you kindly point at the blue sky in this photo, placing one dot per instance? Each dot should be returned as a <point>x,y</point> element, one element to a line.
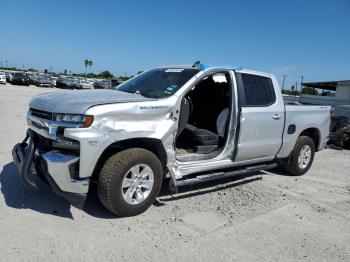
<point>310,38</point>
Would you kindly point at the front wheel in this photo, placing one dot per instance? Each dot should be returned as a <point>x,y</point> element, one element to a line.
<point>130,181</point>
<point>301,157</point>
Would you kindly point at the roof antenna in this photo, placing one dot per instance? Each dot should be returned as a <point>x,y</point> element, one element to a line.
<point>196,64</point>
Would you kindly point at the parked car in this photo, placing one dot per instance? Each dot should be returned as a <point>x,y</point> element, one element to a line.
<point>188,124</point>
<point>9,77</point>
<point>114,83</point>
<point>86,84</point>
<point>103,84</point>
<point>20,79</point>
<point>44,81</point>
<point>2,78</point>
<point>340,127</point>
<point>54,80</point>
<point>33,79</point>
<point>68,83</point>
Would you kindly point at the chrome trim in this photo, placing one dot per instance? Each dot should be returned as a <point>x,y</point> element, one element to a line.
<point>58,168</point>
<point>48,128</point>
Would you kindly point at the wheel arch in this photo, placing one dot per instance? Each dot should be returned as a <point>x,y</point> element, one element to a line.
<point>314,133</point>
<point>152,144</point>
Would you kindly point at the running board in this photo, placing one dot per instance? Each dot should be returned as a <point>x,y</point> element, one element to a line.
<point>219,175</point>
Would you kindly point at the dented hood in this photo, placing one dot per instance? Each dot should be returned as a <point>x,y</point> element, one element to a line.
<point>78,101</point>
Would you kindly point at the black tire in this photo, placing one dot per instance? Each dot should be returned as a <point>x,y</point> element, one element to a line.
<point>347,140</point>
<point>114,170</point>
<point>292,166</point>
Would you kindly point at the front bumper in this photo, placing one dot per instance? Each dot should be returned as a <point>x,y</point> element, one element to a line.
<point>55,169</point>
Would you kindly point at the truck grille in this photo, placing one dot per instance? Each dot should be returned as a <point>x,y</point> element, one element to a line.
<point>41,114</point>
<point>44,145</point>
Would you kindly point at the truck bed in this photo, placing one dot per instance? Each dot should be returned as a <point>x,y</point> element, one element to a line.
<point>304,117</point>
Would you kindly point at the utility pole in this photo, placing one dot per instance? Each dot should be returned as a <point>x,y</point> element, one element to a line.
<point>296,88</point>
<point>6,64</point>
<point>1,63</point>
<point>284,80</point>
<point>301,83</point>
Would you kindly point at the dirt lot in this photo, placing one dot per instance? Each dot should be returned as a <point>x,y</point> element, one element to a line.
<point>263,217</point>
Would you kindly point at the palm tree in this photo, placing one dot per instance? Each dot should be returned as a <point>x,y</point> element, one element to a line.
<point>86,63</point>
<point>90,64</point>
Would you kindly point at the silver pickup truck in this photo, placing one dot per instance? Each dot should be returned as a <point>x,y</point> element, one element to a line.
<point>189,124</point>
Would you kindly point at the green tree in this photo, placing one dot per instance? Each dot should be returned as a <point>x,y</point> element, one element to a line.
<point>106,74</point>
<point>86,63</point>
<point>90,64</point>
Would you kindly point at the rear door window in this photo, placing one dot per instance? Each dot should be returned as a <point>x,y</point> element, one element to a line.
<point>257,91</point>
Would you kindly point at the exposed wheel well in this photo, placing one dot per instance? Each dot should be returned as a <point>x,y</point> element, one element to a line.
<point>151,144</point>
<point>314,134</point>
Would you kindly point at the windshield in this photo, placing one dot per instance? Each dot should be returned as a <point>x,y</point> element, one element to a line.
<point>158,83</point>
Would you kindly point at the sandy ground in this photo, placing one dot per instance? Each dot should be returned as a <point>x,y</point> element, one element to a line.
<point>264,217</point>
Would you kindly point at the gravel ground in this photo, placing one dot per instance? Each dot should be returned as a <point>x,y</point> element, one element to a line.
<point>267,216</point>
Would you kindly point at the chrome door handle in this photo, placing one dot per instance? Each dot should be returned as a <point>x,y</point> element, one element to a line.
<point>276,116</point>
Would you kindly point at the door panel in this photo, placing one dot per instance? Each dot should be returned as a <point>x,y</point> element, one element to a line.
<point>261,132</point>
<point>262,117</point>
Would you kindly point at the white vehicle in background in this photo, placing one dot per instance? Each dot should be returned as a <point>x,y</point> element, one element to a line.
<point>86,84</point>
<point>54,80</point>
<point>2,78</point>
<point>9,77</point>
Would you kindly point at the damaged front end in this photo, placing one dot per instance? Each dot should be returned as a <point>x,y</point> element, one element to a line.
<point>54,159</point>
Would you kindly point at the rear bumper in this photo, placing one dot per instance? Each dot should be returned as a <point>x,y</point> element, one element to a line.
<point>45,84</point>
<point>55,169</point>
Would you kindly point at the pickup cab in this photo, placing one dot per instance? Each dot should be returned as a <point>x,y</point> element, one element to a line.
<point>185,124</point>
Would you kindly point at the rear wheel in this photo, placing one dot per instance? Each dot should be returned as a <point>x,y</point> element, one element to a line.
<point>130,181</point>
<point>301,157</point>
<point>347,140</point>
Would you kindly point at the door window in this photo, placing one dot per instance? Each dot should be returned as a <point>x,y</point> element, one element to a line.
<point>258,91</point>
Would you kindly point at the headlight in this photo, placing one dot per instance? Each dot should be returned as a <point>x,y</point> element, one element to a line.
<point>84,120</point>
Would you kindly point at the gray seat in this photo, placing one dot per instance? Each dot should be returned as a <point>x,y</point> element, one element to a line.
<point>204,137</point>
<point>185,112</point>
<point>221,122</point>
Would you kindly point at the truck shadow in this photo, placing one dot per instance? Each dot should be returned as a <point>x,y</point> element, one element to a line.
<point>207,187</point>
<point>93,206</point>
<point>20,196</point>
<point>278,171</point>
